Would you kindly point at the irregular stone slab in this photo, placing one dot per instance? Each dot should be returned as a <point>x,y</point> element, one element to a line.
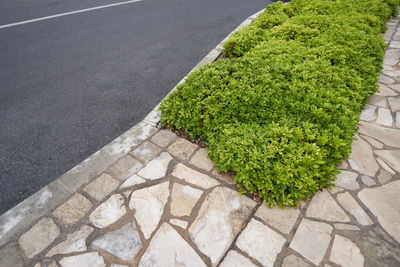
<point>11,255</point>
<point>384,177</point>
<point>282,219</point>
<point>323,206</point>
<point>73,210</point>
<point>316,235</point>
<point>362,158</point>
<point>268,244</point>
<point>384,117</point>
<point>346,253</point>
<point>125,167</point>
<point>385,135</point>
<point>179,223</point>
<point>386,91</point>
<point>234,259</point>
<point>123,243</point>
<point>348,227</point>
<point>163,138</point>
<point>383,79</point>
<point>227,177</point>
<point>39,237</point>
<point>382,250</point>
<point>391,157</point>
<point>292,260</point>
<point>347,180</point>
<point>394,103</point>
<point>182,149</point>
<point>161,254</point>
<point>372,141</point>
<point>146,151</point>
<point>379,101</point>
<point>184,198</point>
<point>157,168</point>
<point>201,160</point>
<point>101,187</point>
<point>149,206</point>
<point>75,242</point>
<point>368,114</point>
<point>367,180</point>
<point>217,225</point>
<point>384,203</point>
<point>109,212</point>
<point>133,180</point>
<point>349,203</point>
<point>194,177</point>
<point>90,259</point>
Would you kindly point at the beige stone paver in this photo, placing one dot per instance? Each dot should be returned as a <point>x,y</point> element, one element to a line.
<point>184,198</point>
<point>163,138</point>
<point>39,237</point>
<point>312,240</point>
<point>148,204</point>
<point>324,207</point>
<point>200,159</point>
<point>125,167</point>
<point>73,210</point>
<point>182,149</point>
<point>152,198</point>
<point>348,202</point>
<point>219,221</point>
<point>168,248</point>
<point>346,253</point>
<point>75,242</point>
<point>347,180</point>
<point>109,212</point>
<point>384,203</point>
<point>293,260</point>
<point>281,219</point>
<point>87,259</point>
<point>194,177</point>
<point>268,244</point>
<point>101,187</point>
<point>157,168</point>
<point>146,151</point>
<point>234,259</point>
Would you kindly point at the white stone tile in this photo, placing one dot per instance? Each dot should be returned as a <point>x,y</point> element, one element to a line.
<point>346,253</point>
<point>282,219</point>
<point>168,248</point>
<point>349,203</point>
<point>149,206</point>
<point>109,212</point>
<point>324,207</point>
<point>312,240</point>
<point>260,243</point>
<point>157,168</point>
<point>194,177</point>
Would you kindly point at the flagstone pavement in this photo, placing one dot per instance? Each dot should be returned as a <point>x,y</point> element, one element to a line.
<point>163,203</point>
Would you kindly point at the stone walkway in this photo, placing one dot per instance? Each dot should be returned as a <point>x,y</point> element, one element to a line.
<point>163,203</point>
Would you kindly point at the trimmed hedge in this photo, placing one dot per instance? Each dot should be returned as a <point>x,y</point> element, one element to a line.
<point>282,109</point>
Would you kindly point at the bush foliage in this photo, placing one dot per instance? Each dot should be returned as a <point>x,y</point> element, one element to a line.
<point>282,109</point>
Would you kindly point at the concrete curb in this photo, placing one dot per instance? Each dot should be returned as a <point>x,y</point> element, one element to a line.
<point>48,198</point>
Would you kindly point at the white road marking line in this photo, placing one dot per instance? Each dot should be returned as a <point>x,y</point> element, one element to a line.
<point>66,14</point>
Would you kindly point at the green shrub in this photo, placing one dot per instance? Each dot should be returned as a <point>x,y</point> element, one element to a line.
<point>281,111</point>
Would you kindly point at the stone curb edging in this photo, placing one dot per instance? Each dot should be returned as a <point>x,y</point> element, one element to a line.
<point>49,197</point>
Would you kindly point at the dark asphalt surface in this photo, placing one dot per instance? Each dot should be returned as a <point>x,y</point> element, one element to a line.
<point>70,85</point>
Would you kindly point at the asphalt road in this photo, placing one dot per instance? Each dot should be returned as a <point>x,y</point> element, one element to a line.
<point>70,85</point>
